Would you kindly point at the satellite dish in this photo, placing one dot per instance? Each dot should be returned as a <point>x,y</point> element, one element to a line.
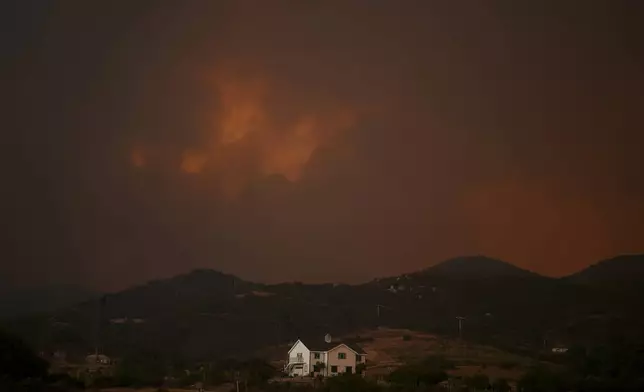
<point>327,338</point>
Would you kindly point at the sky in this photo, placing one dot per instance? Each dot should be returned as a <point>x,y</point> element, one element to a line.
<point>317,141</point>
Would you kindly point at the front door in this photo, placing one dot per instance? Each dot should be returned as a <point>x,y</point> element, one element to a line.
<point>348,369</point>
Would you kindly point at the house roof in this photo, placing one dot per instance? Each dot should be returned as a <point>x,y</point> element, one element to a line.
<point>352,346</point>
<point>324,346</point>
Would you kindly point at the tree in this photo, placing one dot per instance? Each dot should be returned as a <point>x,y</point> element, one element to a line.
<point>361,367</point>
<point>417,375</point>
<point>501,385</point>
<point>543,379</point>
<point>478,382</point>
<point>141,369</point>
<point>349,383</point>
<point>319,367</point>
<point>18,361</point>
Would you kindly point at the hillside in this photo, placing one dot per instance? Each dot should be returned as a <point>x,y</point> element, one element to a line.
<point>389,348</point>
<point>477,267</point>
<point>621,270</point>
<point>208,314</point>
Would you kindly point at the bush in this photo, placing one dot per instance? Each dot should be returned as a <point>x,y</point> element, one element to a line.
<point>406,337</point>
<point>17,361</point>
<point>360,368</point>
<point>478,382</point>
<point>349,383</point>
<point>64,381</point>
<point>438,362</point>
<point>416,375</point>
<point>543,379</point>
<point>501,385</point>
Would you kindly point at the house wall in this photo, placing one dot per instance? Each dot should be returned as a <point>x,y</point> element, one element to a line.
<point>333,360</point>
<point>300,348</point>
<point>323,358</point>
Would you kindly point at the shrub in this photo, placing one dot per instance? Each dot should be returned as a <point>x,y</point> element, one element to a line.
<point>361,368</point>
<point>416,375</point>
<point>18,361</point>
<point>501,385</point>
<point>478,382</point>
<point>438,362</point>
<point>349,383</point>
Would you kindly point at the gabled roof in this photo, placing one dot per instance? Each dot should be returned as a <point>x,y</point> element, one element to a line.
<point>324,346</point>
<point>295,344</point>
<point>352,346</point>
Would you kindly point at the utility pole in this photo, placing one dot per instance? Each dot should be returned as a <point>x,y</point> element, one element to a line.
<point>460,327</point>
<point>460,333</point>
<point>97,331</point>
<point>378,307</point>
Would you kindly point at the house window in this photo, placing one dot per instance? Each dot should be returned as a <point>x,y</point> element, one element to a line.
<point>342,356</point>
<point>334,369</point>
<point>316,355</point>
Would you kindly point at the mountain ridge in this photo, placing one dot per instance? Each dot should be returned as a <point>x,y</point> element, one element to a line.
<point>190,312</point>
<point>622,269</point>
<point>477,266</point>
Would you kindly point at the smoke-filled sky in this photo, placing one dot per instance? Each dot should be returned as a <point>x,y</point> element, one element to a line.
<point>317,140</point>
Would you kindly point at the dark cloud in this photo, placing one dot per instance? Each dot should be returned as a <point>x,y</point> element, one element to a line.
<point>318,141</point>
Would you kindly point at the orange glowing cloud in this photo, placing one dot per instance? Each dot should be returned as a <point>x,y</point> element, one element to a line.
<point>246,126</point>
<point>257,127</point>
<point>193,162</point>
<point>288,154</point>
<point>242,110</point>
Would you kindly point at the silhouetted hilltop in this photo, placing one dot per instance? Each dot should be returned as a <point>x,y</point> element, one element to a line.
<point>479,267</point>
<point>621,270</point>
<point>208,314</point>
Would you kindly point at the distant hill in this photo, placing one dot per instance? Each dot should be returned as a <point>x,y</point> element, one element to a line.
<point>207,314</point>
<point>20,302</point>
<point>621,270</point>
<point>479,267</point>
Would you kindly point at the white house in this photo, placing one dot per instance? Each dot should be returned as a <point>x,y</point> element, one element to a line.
<point>326,359</point>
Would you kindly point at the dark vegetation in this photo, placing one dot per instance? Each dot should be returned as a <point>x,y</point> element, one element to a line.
<point>616,367</point>
<point>136,374</point>
<point>430,371</point>
<point>207,316</point>
<point>22,370</point>
<point>597,370</point>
